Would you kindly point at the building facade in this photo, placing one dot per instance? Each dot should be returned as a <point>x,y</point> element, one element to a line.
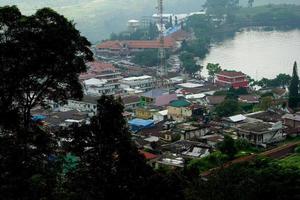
<point>144,83</point>
<point>232,79</point>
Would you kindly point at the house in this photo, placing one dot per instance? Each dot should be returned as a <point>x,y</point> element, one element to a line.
<point>144,82</point>
<point>150,157</point>
<point>101,78</point>
<point>249,98</point>
<point>232,79</point>
<point>215,100</point>
<point>136,124</point>
<point>145,112</point>
<point>158,97</point>
<point>187,149</point>
<point>160,116</point>
<point>86,104</point>
<point>131,102</point>
<point>291,120</point>
<point>179,110</point>
<point>128,47</point>
<point>261,133</point>
<point>190,131</point>
<point>212,140</point>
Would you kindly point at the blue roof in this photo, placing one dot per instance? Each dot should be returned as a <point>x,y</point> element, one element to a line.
<point>141,122</point>
<point>38,117</point>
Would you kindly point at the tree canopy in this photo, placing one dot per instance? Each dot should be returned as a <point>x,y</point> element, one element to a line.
<point>41,57</point>
<point>294,88</point>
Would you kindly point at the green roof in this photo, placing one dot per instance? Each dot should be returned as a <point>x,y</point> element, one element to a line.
<point>180,103</point>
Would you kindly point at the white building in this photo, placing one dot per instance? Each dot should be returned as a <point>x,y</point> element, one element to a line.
<point>144,83</point>
<point>98,87</point>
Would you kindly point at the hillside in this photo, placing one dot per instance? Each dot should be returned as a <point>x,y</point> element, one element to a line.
<point>98,18</point>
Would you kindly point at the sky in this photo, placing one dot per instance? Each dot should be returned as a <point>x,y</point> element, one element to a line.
<point>96,19</point>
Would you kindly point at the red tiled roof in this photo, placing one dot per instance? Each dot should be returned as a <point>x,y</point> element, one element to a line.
<point>96,68</point>
<point>137,44</point>
<point>231,73</point>
<point>147,155</point>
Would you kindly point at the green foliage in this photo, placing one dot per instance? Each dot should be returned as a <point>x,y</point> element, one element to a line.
<point>213,69</point>
<point>36,53</point>
<point>215,159</point>
<point>281,80</point>
<point>294,88</point>
<point>256,179</point>
<point>189,63</point>
<point>147,33</point>
<point>291,161</point>
<point>228,147</point>
<point>221,7</point>
<point>147,58</point>
<point>228,108</point>
<point>266,103</point>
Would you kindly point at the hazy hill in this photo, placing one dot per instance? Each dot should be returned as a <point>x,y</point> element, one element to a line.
<point>98,18</point>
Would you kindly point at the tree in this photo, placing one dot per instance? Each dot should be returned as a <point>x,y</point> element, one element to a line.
<point>146,58</point>
<point>110,166</point>
<point>283,80</point>
<point>294,88</point>
<point>30,167</point>
<point>228,108</point>
<point>189,63</point>
<point>221,7</point>
<point>255,179</point>
<point>266,103</point>
<point>213,69</point>
<point>227,146</point>
<point>41,57</point>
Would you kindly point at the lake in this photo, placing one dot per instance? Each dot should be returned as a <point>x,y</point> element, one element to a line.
<point>258,53</point>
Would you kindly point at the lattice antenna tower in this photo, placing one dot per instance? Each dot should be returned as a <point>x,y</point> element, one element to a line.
<point>162,69</point>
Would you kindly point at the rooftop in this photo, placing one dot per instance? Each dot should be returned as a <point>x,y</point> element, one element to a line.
<point>130,99</point>
<point>180,103</point>
<point>214,100</point>
<point>137,78</point>
<point>231,73</point>
<point>190,85</point>
<point>137,44</point>
<point>257,127</point>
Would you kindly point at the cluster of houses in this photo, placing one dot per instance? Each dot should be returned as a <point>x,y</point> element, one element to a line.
<point>176,122</point>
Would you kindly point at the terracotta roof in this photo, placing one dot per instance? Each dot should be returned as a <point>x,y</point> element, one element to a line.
<point>231,73</point>
<point>137,44</point>
<point>96,68</point>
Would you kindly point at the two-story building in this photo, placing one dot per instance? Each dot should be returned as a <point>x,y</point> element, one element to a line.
<point>144,83</point>
<point>232,79</point>
<point>101,78</point>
